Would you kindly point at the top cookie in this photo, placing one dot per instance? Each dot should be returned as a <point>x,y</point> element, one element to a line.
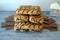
<point>28,7</point>
<point>29,10</point>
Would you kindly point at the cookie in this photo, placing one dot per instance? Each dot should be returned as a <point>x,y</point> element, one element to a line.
<point>20,18</point>
<point>36,19</point>
<point>29,10</point>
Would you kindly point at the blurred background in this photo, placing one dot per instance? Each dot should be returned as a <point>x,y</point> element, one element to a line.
<point>12,5</point>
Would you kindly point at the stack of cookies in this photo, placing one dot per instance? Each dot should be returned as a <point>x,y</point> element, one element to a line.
<point>29,18</point>
<point>9,23</point>
<point>50,23</point>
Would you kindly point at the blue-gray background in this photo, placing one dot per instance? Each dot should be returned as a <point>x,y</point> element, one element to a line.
<point>12,5</point>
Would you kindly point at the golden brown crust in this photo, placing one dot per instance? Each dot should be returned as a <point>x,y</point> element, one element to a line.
<point>36,19</point>
<point>22,18</point>
<point>15,26</point>
<point>25,7</point>
<point>29,7</point>
<point>30,26</point>
<point>29,10</point>
<point>34,12</point>
<point>25,12</point>
<point>37,7</point>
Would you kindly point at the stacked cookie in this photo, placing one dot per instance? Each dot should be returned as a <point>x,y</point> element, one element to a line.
<point>50,23</point>
<point>29,18</point>
<point>9,23</point>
